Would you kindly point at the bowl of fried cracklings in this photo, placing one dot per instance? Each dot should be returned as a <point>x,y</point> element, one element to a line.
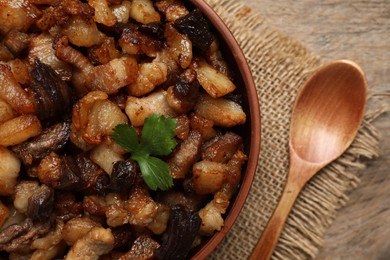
<point>126,129</point>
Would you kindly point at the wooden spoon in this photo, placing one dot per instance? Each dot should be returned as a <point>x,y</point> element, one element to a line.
<point>326,117</point>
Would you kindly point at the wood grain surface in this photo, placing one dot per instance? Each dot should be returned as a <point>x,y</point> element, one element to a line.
<point>358,30</point>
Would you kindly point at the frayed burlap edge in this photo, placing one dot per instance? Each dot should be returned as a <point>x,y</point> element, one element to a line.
<point>280,65</point>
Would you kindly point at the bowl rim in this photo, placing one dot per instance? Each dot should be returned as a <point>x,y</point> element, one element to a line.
<point>254,110</point>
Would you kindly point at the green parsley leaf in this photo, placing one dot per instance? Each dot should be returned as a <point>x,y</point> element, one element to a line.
<point>126,137</point>
<point>157,139</point>
<point>157,135</point>
<point>155,172</point>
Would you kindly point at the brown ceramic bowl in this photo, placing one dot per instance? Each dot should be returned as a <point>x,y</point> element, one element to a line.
<point>250,131</point>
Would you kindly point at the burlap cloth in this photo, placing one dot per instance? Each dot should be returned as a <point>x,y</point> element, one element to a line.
<point>280,65</point>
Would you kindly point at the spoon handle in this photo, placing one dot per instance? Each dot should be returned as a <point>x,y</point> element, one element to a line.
<point>267,243</point>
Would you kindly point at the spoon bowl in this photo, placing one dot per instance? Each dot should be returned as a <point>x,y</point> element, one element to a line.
<point>328,112</point>
<point>326,117</point>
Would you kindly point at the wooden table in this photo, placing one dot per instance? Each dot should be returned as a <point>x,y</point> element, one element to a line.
<point>358,30</point>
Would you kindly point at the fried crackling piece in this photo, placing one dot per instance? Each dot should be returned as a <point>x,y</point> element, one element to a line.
<point>73,173</point>
<point>98,241</point>
<point>94,205</point>
<point>103,13</point>
<point>49,170</point>
<point>103,53</point>
<point>139,210</point>
<point>172,9</point>
<point>12,93</point>
<point>82,33</point>
<point>20,69</point>
<point>141,207</point>
<point>142,249</point>
<point>93,118</point>
<point>6,112</point>
<point>47,20</point>
<point>137,109</point>
<point>19,129</point>
<point>68,9</point>
<point>223,112</point>
<point>49,246</point>
<point>116,214</point>
<point>173,69</point>
<point>203,126</point>
<point>114,75</point>
<point>234,167</point>
<point>76,228</point>
<point>76,137</point>
<point>134,42</point>
<point>71,56</point>
<point>185,156</point>
<point>160,221</point>
<point>17,42</point>
<point>104,156</point>
<point>179,45</point>
<point>23,191</point>
<point>66,206</point>
<point>82,109</point>
<point>123,237</point>
<point>82,66</point>
<point>65,177</point>
<point>18,15</point>
<point>215,59</point>
<point>143,11</point>
<point>48,253</point>
<point>104,116</point>
<point>208,177</point>
<point>214,82</point>
<point>182,130</point>
<point>211,214</point>
<point>122,11</point>
<point>150,75</point>
<point>222,148</point>
<point>52,238</point>
<point>41,47</point>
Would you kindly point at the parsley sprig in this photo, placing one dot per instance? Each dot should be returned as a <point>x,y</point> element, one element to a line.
<point>157,139</point>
